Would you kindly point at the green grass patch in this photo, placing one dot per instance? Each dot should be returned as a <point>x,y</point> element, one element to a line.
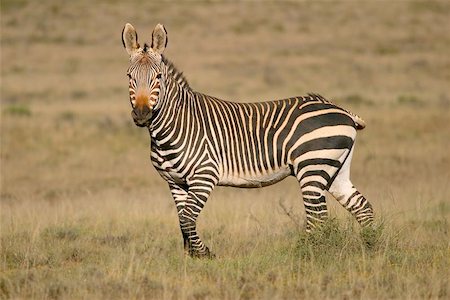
<point>386,49</point>
<point>438,7</point>
<point>410,100</point>
<point>357,100</point>
<point>247,26</point>
<point>18,110</point>
<point>68,116</point>
<point>78,94</point>
<point>13,5</point>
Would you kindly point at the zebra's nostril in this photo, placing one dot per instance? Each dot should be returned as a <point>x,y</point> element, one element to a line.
<point>145,110</point>
<point>141,116</point>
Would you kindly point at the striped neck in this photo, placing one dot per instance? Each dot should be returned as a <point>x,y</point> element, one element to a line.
<point>175,73</point>
<point>176,94</point>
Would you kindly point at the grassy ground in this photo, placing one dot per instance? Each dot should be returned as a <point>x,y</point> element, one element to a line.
<point>84,215</point>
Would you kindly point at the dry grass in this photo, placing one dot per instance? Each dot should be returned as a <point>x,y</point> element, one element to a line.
<point>84,215</point>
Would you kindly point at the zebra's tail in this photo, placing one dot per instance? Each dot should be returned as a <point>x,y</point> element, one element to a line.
<point>359,122</point>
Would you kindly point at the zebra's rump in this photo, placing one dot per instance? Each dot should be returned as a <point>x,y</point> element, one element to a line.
<point>311,98</point>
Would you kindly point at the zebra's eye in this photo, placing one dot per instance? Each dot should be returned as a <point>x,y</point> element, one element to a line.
<point>129,75</point>
<point>158,76</point>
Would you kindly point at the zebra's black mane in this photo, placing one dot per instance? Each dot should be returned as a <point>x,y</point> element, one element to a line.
<point>176,74</point>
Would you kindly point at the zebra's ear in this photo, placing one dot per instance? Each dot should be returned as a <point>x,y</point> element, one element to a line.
<point>129,39</point>
<point>159,39</point>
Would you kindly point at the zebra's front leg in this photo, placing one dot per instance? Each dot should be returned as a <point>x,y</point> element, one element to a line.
<point>197,195</point>
<point>180,195</point>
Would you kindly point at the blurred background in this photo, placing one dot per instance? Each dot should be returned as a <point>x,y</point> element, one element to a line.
<point>66,130</point>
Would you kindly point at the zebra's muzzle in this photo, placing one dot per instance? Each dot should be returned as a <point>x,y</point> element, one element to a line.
<point>142,116</point>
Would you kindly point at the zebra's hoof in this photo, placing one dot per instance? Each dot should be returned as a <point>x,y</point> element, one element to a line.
<point>204,254</point>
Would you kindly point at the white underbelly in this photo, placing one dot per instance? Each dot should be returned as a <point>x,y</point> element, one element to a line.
<point>255,181</point>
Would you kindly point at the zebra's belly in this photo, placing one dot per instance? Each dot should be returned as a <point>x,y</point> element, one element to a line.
<point>255,181</point>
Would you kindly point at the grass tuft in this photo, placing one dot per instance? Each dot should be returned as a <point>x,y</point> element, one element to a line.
<point>326,241</point>
<point>69,233</point>
<point>336,239</point>
<point>371,237</point>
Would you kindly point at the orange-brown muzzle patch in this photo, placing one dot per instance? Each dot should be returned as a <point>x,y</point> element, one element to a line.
<point>142,110</point>
<point>143,105</point>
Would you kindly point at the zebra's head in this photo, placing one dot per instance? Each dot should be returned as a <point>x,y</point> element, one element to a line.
<point>145,72</point>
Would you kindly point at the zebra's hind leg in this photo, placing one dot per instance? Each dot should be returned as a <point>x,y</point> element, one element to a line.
<point>349,197</point>
<point>313,193</point>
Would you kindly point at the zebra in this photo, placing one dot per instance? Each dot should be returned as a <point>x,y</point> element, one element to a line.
<point>199,141</point>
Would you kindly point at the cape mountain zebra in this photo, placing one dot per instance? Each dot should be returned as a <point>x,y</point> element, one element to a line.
<point>198,141</point>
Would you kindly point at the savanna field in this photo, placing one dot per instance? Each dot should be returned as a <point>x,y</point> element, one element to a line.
<point>83,214</point>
